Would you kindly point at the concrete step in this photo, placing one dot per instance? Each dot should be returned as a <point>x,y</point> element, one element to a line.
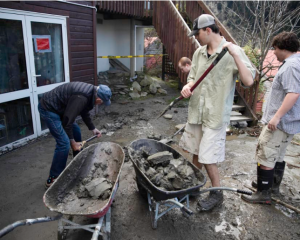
<point>237,107</point>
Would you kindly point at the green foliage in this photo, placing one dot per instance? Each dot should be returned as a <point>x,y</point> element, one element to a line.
<point>253,54</point>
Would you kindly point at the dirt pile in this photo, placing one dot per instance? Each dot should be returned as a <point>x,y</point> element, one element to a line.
<point>166,172</point>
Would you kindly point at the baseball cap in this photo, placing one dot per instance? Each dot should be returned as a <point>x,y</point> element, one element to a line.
<point>104,93</point>
<point>204,20</point>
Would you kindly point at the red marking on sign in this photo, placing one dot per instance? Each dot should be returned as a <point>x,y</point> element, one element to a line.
<point>42,43</point>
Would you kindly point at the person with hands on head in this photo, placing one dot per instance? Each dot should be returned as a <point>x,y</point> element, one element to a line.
<point>211,101</point>
<point>281,118</point>
<point>59,109</point>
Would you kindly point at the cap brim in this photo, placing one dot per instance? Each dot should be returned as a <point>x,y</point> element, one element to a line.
<point>107,103</point>
<point>192,33</point>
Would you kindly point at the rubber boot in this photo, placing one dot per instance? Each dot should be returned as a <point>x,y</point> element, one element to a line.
<point>263,193</point>
<point>278,175</point>
<point>254,183</point>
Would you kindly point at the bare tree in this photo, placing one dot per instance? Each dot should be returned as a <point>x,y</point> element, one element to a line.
<point>257,22</point>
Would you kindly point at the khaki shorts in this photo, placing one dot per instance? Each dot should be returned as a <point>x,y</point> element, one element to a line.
<point>208,144</point>
<point>271,146</point>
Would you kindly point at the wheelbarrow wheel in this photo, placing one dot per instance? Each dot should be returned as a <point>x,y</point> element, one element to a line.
<point>153,221</point>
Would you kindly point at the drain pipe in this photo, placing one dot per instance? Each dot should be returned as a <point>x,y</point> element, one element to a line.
<point>78,4</point>
<point>184,23</point>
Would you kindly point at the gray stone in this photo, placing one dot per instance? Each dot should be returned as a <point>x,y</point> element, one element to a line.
<point>144,94</point>
<point>122,93</point>
<point>156,179</point>
<point>165,183</point>
<point>176,162</point>
<point>153,88</point>
<point>162,91</point>
<point>179,126</point>
<point>168,116</point>
<point>171,175</point>
<point>97,187</point>
<point>146,81</point>
<point>151,172</point>
<point>185,171</point>
<point>178,183</point>
<point>160,157</point>
<point>136,87</point>
<point>134,95</point>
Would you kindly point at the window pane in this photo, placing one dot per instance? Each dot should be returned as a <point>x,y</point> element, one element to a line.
<point>48,53</point>
<point>15,120</point>
<point>13,72</point>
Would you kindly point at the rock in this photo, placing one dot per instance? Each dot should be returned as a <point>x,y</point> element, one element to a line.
<point>179,126</point>
<point>150,172</point>
<point>178,183</point>
<point>171,175</point>
<point>136,87</point>
<point>146,81</point>
<point>122,93</point>
<point>162,91</point>
<point>154,136</point>
<point>185,171</point>
<point>97,187</point>
<point>176,162</point>
<point>164,183</point>
<point>156,179</point>
<point>160,157</point>
<point>134,95</point>
<point>168,116</point>
<point>156,84</point>
<point>153,88</point>
<point>144,94</point>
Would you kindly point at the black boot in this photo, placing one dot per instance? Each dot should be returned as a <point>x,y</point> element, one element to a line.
<point>278,175</point>
<point>263,193</point>
<point>254,183</point>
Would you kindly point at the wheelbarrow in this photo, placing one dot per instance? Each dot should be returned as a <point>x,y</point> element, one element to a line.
<point>157,197</point>
<point>60,198</point>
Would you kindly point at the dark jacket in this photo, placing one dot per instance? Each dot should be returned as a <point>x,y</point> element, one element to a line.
<point>70,100</point>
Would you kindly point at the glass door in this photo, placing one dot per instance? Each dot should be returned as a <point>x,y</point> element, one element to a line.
<point>33,60</point>
<point>17,120</point>
<point>48,57</point>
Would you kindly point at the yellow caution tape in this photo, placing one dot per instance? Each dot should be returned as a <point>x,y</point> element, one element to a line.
<point>132,56</point>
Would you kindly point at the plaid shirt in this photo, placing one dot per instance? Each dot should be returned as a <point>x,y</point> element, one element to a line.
<point>287,80</point>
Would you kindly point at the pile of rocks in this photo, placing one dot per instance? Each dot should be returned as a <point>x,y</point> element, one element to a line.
<point>145,86</point>
<point>95,185</point>
<point>165,172</point>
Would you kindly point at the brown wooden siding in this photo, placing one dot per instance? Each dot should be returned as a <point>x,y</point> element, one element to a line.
<point>80,31</point>
<point>130,8</point>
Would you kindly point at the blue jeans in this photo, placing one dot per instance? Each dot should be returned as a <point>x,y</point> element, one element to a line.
<point>62,148</point>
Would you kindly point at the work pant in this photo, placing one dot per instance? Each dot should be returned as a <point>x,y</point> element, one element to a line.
<point>62,147</point>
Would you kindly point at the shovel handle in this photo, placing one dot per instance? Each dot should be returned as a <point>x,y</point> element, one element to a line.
<point>90,139</point>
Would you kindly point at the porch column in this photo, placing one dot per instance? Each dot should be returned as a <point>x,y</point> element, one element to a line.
<point>132,46</point>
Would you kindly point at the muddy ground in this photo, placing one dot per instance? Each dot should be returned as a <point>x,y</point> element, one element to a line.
<point>23,173</point>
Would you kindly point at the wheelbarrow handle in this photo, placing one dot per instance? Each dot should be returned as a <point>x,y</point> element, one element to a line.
<point>222,189</point>
<point>14,225</point>
<point>187,211</point>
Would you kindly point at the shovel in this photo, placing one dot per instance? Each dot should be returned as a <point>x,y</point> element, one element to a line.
<point>224,51</point>
<point>90,139</point>
<point>169,139</point>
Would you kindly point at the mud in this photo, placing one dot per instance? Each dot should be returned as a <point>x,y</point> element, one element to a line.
<point>23,174</point>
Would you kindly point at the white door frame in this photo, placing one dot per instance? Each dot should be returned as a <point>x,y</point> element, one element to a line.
<point>33,91</point>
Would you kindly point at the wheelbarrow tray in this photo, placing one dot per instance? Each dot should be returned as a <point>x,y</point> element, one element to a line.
<point>59,197</point>
<point>144,182</point>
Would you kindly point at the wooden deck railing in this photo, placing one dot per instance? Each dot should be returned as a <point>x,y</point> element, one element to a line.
<point>131,8</point>
<point>173,33</point>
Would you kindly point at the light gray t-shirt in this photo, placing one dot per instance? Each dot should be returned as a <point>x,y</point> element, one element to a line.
<point>287,80</point>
